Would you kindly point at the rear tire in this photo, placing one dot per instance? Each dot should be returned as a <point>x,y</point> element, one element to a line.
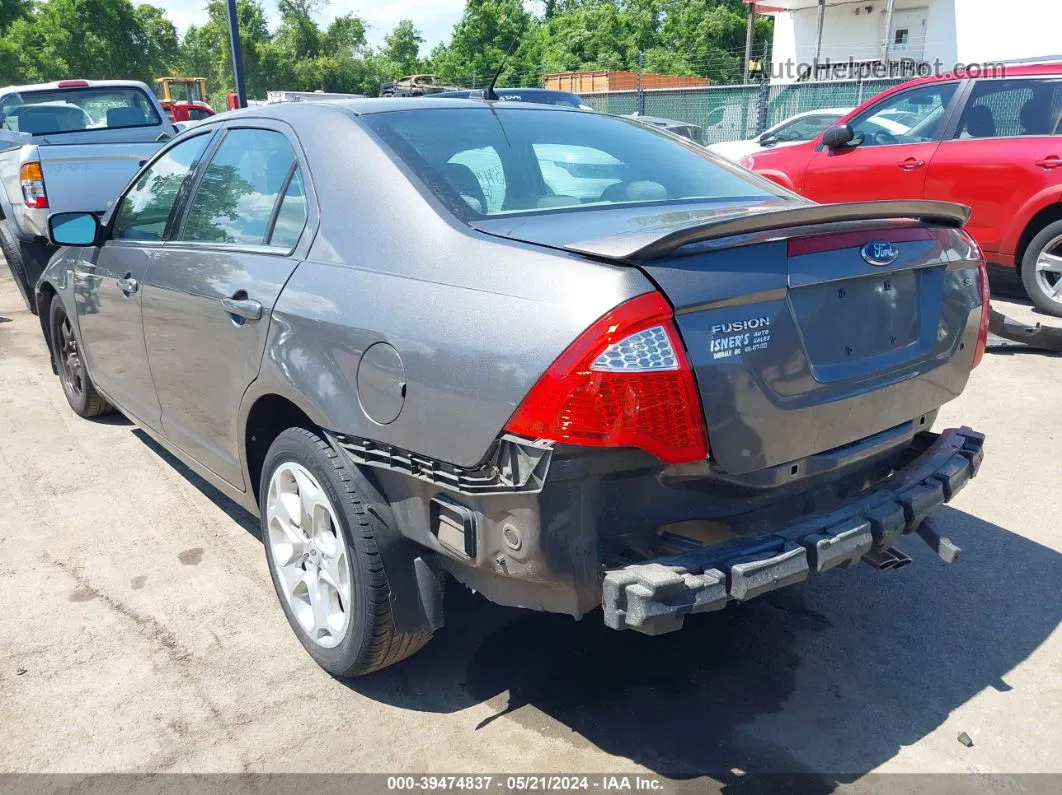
<point>13,254</point>
<point>80,392</point>
<point>1041,270</point>
<point>322,554</point>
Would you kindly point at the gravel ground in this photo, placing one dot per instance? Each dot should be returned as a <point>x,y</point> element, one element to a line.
<point>139,631</point>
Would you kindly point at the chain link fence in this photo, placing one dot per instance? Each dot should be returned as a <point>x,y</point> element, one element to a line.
<point>729,113</point>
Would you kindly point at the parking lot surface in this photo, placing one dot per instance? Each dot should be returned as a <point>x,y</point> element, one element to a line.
<point>139,631</point>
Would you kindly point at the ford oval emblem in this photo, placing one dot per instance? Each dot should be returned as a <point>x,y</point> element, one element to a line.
<point>880,252</point>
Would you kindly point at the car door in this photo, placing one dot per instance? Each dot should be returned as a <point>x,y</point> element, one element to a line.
<point>210,289</point>
<point>107,282</point>
<point>1001,154</point>
<point>887,158</point>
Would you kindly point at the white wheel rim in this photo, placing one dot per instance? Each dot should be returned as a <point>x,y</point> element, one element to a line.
<point>309,554</point>
<point>1049,270</point>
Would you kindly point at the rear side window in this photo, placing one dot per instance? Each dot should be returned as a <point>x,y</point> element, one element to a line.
<point>250,172</point>
<point>1011,108</point>
<point>517,158</point>
<point>76,110</point>
<point>291,216</point>
<point>145,209</point>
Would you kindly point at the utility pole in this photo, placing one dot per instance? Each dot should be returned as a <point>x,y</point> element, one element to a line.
<point>237,55</point>
<point>750,33</point>
<point>887,43</point>
<point>640,95</point>
<point>818,40</point>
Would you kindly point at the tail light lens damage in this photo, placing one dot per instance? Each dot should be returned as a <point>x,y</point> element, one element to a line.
<point>625,382</point>
<point>33,193</point>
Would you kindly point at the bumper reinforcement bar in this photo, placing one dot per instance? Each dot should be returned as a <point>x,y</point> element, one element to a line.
<point>656,596</point>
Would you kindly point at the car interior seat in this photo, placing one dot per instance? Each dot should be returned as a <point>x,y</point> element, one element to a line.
<point>463,180</point>
<point>1035,117</point>
<point>980,123</point>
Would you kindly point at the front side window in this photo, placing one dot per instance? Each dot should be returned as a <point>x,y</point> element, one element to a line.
<point>525,159</point>
<point>804,129</point>
<point>234,201</point>
<point>143,212</point>
<point>913,116</point>
<point>77,109</point>
<point>1011,108</point>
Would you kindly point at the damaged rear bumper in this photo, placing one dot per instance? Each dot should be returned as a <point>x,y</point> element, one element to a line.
<point>655,596</point>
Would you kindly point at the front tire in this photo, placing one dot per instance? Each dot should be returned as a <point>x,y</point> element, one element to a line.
<point>321,549</point>
<point>69,359</point>
<point>1041,269</point>
<point>13,255</point>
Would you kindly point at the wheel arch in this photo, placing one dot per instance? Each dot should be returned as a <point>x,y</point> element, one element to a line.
<point>44,296</point>
<point>267,416</point>
<point>1048,214</point>
<point>778,177</point>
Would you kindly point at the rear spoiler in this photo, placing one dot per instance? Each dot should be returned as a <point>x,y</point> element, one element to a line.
<point>659,242</point>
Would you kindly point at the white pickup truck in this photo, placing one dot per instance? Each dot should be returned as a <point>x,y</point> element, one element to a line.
<point>65,146</point>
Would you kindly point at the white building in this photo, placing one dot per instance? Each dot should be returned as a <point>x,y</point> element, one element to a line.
<point>851,34</point>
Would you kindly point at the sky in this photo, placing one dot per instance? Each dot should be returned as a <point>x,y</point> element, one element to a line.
<point>434,18</point>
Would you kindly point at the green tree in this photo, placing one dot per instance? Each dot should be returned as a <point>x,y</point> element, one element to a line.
<point>345,35</point>
<point>298,33</point>
<point>93,39</point>
<point>402,48</point>
<point>480,40</point>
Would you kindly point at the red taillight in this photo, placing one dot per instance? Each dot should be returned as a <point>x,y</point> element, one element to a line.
<point>33,193</point>
<point>625,382</point>
<point>73,84</point>
<point>986,296</point>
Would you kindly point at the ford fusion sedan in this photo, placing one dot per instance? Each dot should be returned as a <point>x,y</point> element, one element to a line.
<point>599,373</point>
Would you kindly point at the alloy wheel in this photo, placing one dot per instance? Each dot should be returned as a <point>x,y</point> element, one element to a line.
<point>309,554</point>
<point>70,363</point>
<point>1049,270</point>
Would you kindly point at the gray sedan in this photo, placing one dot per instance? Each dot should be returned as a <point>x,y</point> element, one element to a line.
<point>443,339</point>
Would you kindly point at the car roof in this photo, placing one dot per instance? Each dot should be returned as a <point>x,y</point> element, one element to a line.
<point>89,84</point>
<point>991,72</point>
<point>371,106</point>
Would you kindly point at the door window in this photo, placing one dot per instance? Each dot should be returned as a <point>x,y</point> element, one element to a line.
<point>914,116</point>
<point>143,212</point>
<point>1011,108</point>
<point>804,129</point>
<point>234,201</point>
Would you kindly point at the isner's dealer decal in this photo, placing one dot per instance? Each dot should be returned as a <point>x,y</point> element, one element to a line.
<point>741,336</point>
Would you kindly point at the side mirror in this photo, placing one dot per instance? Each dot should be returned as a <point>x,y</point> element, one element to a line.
<point>768,139</point>
<point>73,229</point>
<point>837,136</point>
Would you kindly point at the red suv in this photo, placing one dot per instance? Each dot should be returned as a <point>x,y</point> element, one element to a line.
<point>993,143</point>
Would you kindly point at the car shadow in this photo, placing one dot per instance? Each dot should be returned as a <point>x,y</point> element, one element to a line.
<point>826,680</point>
<point>232,509</point>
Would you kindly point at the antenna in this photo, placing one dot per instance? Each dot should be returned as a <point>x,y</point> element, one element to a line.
<point>488,92</point>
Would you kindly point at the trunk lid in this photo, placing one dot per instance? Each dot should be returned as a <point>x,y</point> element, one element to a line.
<point>800,344</point>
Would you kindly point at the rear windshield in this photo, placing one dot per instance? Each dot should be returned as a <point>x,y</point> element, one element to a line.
<point>76,109</point>
<point>501,160</point>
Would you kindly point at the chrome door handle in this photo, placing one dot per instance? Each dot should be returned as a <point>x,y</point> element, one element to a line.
<point>246,308</point>
<point>128,285</point>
